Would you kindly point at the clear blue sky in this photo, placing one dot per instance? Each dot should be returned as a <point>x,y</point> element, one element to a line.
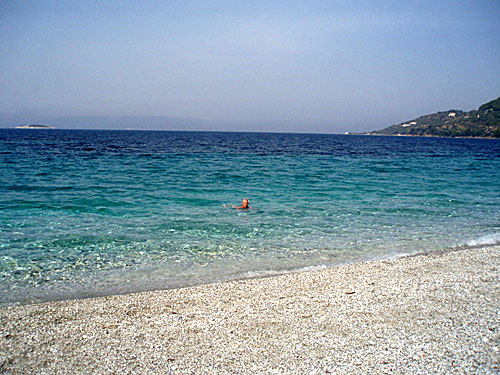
<point>327,66</point>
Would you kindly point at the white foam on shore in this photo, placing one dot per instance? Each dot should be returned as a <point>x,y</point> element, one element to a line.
<point>490,239</point>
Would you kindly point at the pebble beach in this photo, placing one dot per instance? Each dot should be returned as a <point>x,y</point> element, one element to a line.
<point>434,313</point>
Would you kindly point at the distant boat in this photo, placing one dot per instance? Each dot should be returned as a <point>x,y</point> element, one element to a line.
<point>34,126</point>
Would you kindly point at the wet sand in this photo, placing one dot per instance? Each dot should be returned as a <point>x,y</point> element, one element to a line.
<point>435,313</point>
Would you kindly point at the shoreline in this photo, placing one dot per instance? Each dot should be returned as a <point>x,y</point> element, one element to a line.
<point>255,275</point>
<point>422,136</point>
<point>430,313</point>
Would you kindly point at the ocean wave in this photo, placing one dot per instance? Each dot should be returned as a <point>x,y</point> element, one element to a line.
<point>489,239</point>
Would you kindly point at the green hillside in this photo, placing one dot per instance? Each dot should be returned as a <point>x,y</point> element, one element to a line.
<point>483,122</point>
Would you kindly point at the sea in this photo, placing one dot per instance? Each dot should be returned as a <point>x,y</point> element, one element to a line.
<point>87,213</point>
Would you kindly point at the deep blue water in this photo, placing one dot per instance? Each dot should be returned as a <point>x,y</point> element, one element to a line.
<point>86,213</point>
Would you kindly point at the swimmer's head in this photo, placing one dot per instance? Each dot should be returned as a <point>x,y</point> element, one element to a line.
<point>245,203</point>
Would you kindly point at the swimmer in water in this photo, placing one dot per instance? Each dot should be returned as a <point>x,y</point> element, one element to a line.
<point>244,205</point>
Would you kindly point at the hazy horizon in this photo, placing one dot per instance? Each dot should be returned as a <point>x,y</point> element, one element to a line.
<point>322,67</point>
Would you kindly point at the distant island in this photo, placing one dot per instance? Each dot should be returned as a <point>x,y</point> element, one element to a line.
<point>34,126</point>
<point>483,122</point>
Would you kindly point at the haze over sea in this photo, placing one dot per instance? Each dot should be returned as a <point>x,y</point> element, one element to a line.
<point>88,213</point>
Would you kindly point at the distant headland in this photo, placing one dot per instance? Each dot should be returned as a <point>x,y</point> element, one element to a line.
<point>34,126</point>
<point>483,122</point>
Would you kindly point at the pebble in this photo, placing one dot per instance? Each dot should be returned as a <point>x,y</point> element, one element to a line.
<point>430,315</point>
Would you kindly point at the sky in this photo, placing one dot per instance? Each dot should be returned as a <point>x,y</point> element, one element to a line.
<point>291,66</point>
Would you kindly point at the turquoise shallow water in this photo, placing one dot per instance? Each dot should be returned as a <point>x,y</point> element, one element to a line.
<point>86,213</point>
